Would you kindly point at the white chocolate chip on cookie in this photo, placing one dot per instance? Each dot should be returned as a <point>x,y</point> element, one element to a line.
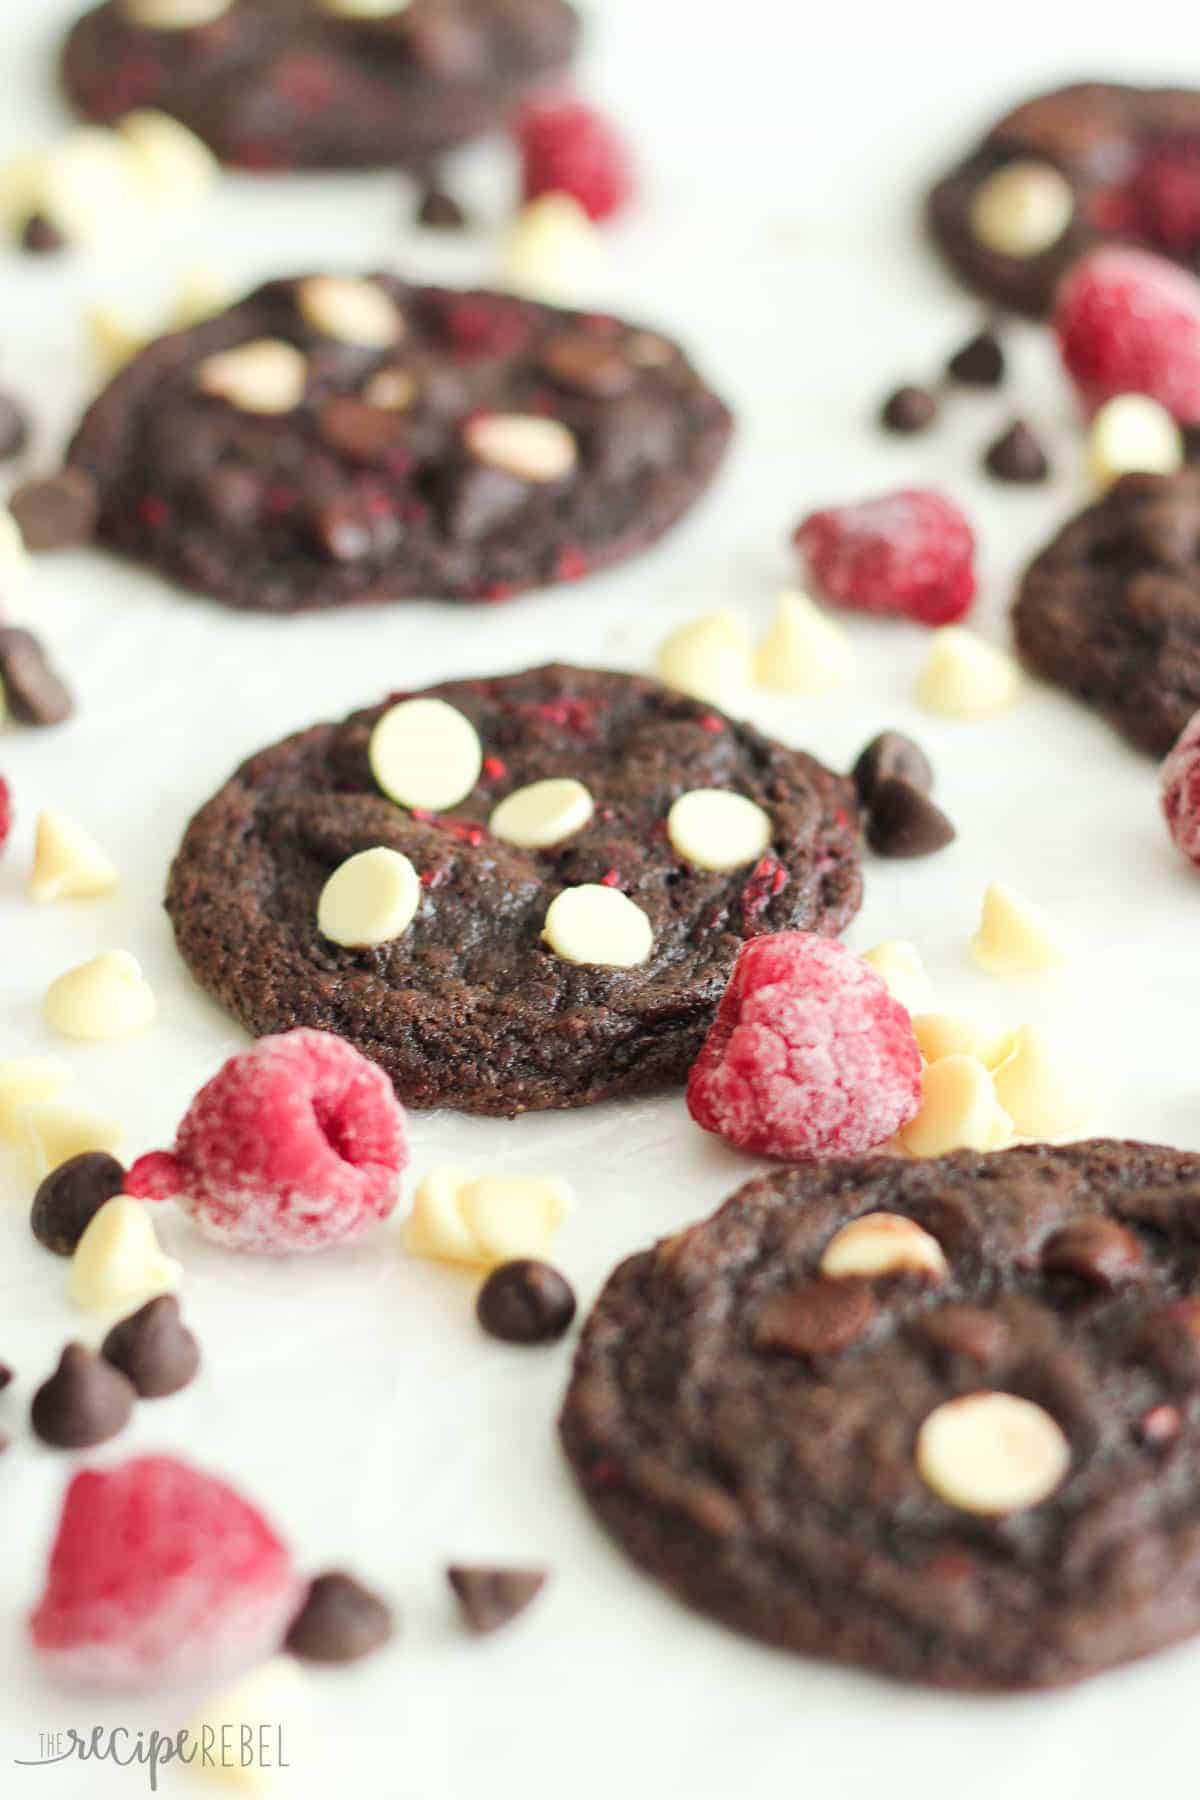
<point>68,863</point>
<point>544,813</point>
<point>1022,209</point>
<point>425,753</point>
<point>264,376</point>
<point>533,449</point>
<point>365,9</point>
<point>713,828</point>
<point>598,925</point>
<point>883,1243</point>
<point>174,15</point>
<point>1015,937</point>
<point>104,999</point>
<point>351,310</point>
<point>965,678</point>
<point>118,1264</point>
<point>372,898</point>
<point>992,1453</point>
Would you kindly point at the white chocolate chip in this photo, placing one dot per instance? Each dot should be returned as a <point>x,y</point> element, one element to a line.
<point>264,376</point>
<point>118,1264</point>
<point>964,678</point>
<point>1046,1099</point>
<point>104,999</point>
<point>902,972</point>
<point>804,652</point>
<point>20,188</point>
<point>435,1226</point>
<point>715,829</point>
<point>598,925</point>
<point>174,164</point>
<point>514,1215</point>
<point>252,1729</point>
<point>522,444</point>
<point>711,658</point>
<point>959,1110</point>
<point>943,1034</point>
<point>88,183</point>
<point>351,310</point>
<point>68,863</point>
<point>26,1081</point>
<point>883,1243</point>
<point>544,813</point>
<point>425,753</point>
<point>1133,434</point>
<point>370,899</point>
<point>1015,937</point>
<point>53,1131</point>
<point>551,251</point>
<point>366,9</point>
<point>393,390</point>
<point>1022,209</point>
<point>992,1453</point>
<point>174,15</point>
<point>115,337</point>
<point>201,294</point>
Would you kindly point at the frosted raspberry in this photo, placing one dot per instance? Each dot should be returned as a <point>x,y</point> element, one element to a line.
<point>158,1574</point>
<point>569,148</point>
<point>808,1056</point>
<point>6,812</point>
<point>1181,791</point>
<point>1128,322</point>
<point>911,553</point>
<point>293,1145</point>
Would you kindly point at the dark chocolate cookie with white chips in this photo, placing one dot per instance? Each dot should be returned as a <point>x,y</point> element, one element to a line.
<point>332,441</point>
<point>941,1419</point>
<point>512,893</point>
<point>1092,163</point>
<point>328,84</point>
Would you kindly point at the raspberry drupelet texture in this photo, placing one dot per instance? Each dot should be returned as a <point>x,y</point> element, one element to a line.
<point>911,553</point>
<point>160,1573</point>
<point>295,1144</point>
<point>569,148</point>
<point>6,813</point>
<point>1128,322</point>
<point>1181,791</point>
<point>809,1056</point>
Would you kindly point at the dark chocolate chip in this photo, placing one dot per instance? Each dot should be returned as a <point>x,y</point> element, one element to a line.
<point>33,691</point>
<point>970,1332</point>
<point>1169,1338</point>
<point>908,410</point>
<point>817,1319</point>
<point>891,756</point>
<point>365,433</point>
<point>490,1598</point>
<point>6,1376</point>
<point>477,498</point>
<point>525,1302</point>
<point>56,512</point>
<point>1017,455</point>
<point>586,364</point>
<point>1098,1250</point>
<point>340,1621</point>
<point>904,822</point>
<point>980,362</point>
<point>14,428</point>
<point>70,1197</point>
<point>154,1348</point>
<point>41,236</point>
<point>440,211</point>
<point>86,1401</point>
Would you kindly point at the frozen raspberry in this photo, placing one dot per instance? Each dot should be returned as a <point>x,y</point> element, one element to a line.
<point>808,1056</point>
<point>1129,323</point>
<point>158,1574</point>
<point>293,1145</point>
<point>6,812</point>
<point>1181,791</point>
<point>911,553</point>
<point>568,148</point>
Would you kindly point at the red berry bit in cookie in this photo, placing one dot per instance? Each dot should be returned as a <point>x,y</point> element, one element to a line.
<point>6,812</point>
<point>569,148</point>
<point>809,1055</point>
<point>159,1574</point>
<point>1128,322</point>
<point>293,1145</point>
<point>1181,792</point>
<point>911,553</point>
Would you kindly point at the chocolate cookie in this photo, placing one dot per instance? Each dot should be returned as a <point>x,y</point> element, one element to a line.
<point>331,441</point>
<point>957,1443</point>
<point>286,84</point>
<point>1111,609</point>
<point>1079,166</point>
<point>469,1006</point>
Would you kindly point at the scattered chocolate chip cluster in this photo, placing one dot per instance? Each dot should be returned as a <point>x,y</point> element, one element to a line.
<point>1016,455</point>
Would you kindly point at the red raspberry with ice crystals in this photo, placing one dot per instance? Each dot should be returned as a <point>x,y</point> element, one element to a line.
<point>6,812</point>
<point>1181,791</point>
<point>911,553</point>
<point>295,1144</point>
<point>569,148</point>
<point>160,1573</point>
<point>809,1055</point>
<point>1128,322</point>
